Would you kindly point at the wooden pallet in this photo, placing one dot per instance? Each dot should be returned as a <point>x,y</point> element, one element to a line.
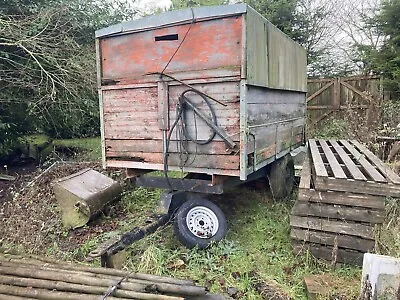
<point>348,166</point>
<point>333,213</point>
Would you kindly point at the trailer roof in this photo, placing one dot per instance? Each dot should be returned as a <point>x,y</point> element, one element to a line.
<point>173,17</point>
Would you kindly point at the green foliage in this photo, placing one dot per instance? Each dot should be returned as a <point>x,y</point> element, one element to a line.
<point>281,13</point>
<point>47,66</point>
<point>331,129</point>
<point>386,60</point>
<point>304,22</point>
<point>89,149</point>
<point>389,233</point>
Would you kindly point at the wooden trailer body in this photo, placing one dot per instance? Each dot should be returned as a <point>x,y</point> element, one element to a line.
<point>231,54</point>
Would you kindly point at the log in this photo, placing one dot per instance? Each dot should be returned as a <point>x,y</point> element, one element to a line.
<point>46,294</point>
<point>47,267</point>
<point>68,266</point>
<point>7,177</point>
<point>78,288</point>
<point>46,272</point>
<point>8,297</point>
<point>65,277</point>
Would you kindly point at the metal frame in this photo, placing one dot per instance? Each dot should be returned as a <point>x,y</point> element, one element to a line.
<point>197,185</point>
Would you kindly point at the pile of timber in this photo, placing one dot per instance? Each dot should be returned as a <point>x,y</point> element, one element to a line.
<point>341,199</point>
<point>38,278</point>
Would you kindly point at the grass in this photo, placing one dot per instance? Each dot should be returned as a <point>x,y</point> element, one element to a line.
<point>258,241</point>
<point>83,149</point>
<point>88,148</point>
<point>389,233</point>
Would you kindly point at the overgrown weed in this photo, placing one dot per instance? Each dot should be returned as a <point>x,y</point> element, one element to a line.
<point>389,233</point>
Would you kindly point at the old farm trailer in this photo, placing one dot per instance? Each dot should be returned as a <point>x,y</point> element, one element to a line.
<point>218,93</point>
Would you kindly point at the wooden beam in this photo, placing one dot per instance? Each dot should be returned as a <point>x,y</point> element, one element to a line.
<point>388,172</point>
<point>317,80</point>
<point>353,78</point>
<point>317,161</point>
<point>357,91</point>
<point>342,107</point>
<point>319,91</point>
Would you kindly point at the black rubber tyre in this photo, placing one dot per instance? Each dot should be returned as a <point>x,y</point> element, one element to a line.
<point>199,222</point>
<point>281,177</point>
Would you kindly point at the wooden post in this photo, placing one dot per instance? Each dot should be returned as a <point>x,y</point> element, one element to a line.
<point>336,93</point>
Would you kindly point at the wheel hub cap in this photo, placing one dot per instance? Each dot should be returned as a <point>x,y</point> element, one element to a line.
<point>202,222</point>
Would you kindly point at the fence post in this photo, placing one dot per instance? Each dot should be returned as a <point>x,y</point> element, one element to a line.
<point>336,93</point>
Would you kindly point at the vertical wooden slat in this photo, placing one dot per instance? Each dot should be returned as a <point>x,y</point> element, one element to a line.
<point>305,178</point>
<point>101,108</point>
<point>243,130</point>
<point>392,176</point>
<point>163,110</point>
<point>350,165</point>
<point>336,93</point>
<point>317,159</point>
<point>333,163</point>
<point>376,176</point>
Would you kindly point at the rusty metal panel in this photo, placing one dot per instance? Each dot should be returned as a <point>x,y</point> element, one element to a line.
<point>211,44</point>
<point>83,194</point>
<point>273,59</point>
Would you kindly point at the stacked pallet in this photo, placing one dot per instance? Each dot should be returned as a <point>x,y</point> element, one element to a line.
<point>38,278</point>
<point>341,199</point>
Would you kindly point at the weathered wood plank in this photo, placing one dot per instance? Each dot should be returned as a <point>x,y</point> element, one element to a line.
<point>341,227</point>
<point>324,252</point>
<point>333,163</point>
<point>309,98</point>
<point>358,92</point>
<point>154,146</point>
<point>317,161</point>
<point>392,176</point>
<point>216,75</point>
<point>350,165</point>
<point>341,198</point>
<point>346,213</point>
<point>269,113</point>
<point>114,163</point>
<point>305,179</point>
<point>191,122</point>
<point>331,239</point>
<point>225,162</point>
<point>150,130</point>
<point>163,109</point>
<point>352,186</point>
<point>375,175</point>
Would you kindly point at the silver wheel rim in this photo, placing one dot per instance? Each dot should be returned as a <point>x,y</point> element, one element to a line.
<point>202,222</point>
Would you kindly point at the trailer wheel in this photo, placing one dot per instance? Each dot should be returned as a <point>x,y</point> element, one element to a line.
<point>281,177</point>
<point>199,222</point>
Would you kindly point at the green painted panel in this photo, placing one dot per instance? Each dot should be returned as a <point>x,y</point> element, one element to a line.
<point>257,51</point>
<point>273,59</point>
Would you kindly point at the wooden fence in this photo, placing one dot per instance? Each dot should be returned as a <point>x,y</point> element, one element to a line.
<point>332,97</point>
